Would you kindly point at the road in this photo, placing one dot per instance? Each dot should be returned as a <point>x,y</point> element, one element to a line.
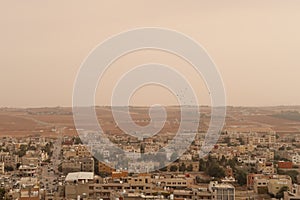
<point>49,173</point>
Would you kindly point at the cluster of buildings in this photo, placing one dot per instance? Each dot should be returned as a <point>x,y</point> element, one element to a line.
<point>142,186</point>
<point>256,165</point>
<point>21,161</point>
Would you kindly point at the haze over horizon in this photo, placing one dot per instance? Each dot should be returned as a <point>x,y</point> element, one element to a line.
<point>254,44</point>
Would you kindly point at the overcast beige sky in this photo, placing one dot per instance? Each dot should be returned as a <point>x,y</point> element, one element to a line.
<point>254,43</point>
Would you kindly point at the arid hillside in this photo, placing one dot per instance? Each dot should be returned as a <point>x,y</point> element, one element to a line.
<point>48,121</point>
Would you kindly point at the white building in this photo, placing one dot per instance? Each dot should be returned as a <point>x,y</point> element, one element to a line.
<point>296,159</point>
<point>221,191</point>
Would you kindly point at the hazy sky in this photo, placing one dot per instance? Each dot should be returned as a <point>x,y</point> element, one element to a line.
<point>254,43</point>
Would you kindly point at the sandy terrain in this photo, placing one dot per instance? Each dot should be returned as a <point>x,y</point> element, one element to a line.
<point>45,121</point>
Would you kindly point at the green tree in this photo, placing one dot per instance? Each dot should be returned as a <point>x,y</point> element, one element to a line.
<point>47,148</point>
<point>8,168</point>
<point>282,148</point>
<point>77,140</point>
<point>227,140</point>
<point>241,177</point>
<point>182,167</point>
<point>198,179</point>
<point>33,148</point>
<point>202,165</point>
<point>214,170</point>
<point>59,168</point>
<point>190,168</point>
<point>96,166</point>
<point>241,141</point>
<point>22,151</point>
<point>223,160</point>
<point>173,168</point>
<point>18,165</point>
<point>142,148</point>
<point>2,193</point>
<point>232,163</point>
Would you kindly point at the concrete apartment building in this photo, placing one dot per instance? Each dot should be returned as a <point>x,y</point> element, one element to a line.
<point>86,185</point>
<point>221,191</point>
<point>72,151</point>
<point>28,188</point>
<point>271,184</point>
<point>277,182</point>
<point>176,183</point>
<point>143,186</point>
<point>72,165</point>
<point>78,165</point>
<point>27,170</point>
<point>78,184</point>
<point>265,140</point>
<point>9,159</point>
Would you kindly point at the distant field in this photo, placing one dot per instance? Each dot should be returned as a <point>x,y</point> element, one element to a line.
<point>43,121</point>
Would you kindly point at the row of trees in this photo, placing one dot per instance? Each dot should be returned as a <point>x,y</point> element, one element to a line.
<point>181,168</point>
<point>215,168</point>
<point>24,148</point>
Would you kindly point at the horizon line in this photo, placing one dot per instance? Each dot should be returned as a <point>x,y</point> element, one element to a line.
<point>147,106</point>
